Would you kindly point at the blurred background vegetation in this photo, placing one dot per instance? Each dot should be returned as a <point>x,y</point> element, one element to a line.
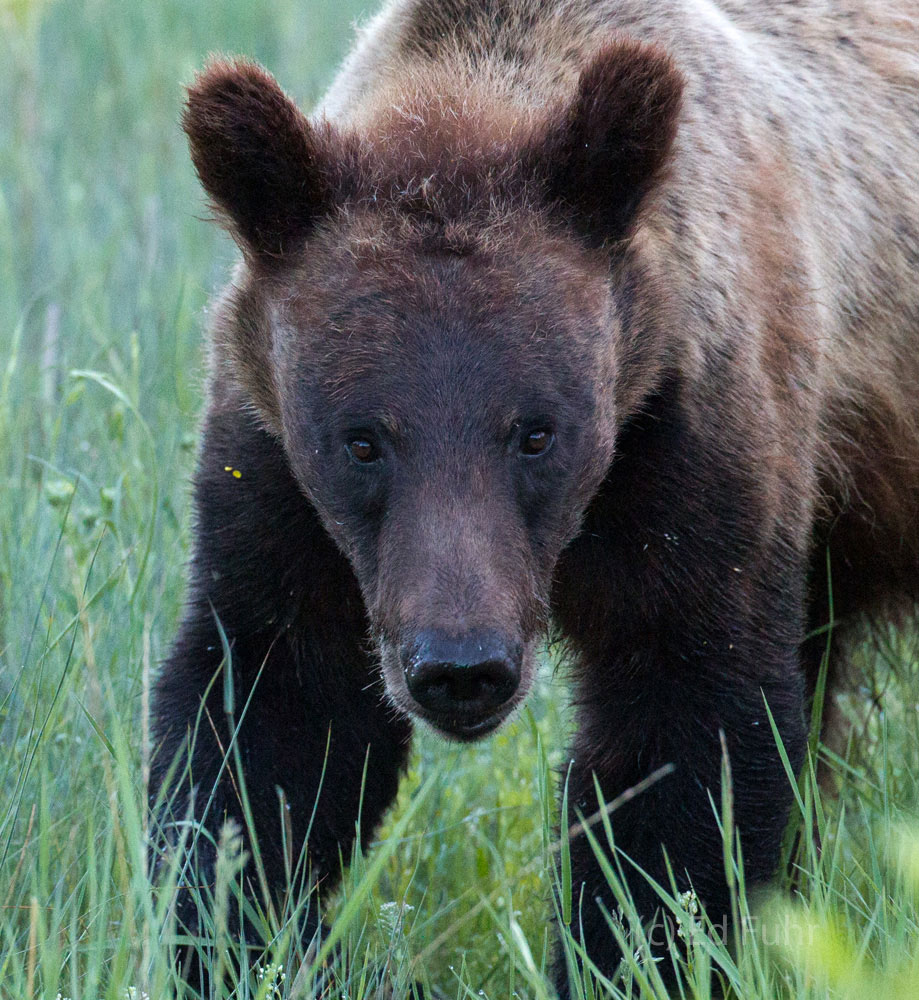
<point>105,270</point>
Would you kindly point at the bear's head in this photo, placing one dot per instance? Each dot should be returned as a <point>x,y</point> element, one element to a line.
<point>427,318</point>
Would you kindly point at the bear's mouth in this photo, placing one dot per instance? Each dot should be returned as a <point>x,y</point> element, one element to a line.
<point>465,730</point>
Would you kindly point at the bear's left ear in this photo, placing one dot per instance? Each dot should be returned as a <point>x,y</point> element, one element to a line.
<point>602,152</point>
<point>257,157</point>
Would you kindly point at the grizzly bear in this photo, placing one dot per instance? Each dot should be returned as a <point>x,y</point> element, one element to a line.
<point>575,315</point>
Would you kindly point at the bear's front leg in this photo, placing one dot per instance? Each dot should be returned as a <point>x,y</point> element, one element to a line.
<point>682,600</point>
<point>270,706</point>
<point>651,714</point>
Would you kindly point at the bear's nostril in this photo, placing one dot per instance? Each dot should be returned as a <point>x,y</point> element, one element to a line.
<point>457,685</point>
<point>470,676</point>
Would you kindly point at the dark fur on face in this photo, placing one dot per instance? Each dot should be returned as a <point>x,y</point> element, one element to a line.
<point>431,284</point>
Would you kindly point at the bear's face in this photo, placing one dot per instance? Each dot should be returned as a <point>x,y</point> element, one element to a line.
<point>425,318</point>
<point>450,415</point>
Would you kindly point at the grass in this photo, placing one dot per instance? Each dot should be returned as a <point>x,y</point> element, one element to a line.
<point>105,268</point>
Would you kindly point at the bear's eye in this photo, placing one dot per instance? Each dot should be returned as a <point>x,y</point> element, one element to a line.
<point>537,442</point>
<point>362,451</point>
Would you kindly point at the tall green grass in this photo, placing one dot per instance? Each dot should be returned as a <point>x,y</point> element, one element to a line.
<point>105,268</point>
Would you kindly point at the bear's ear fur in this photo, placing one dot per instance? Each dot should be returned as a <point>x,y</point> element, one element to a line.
<point>256,155</point>
<point>599,154</point>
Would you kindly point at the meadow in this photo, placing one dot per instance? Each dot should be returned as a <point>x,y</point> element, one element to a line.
<point>106,266</point>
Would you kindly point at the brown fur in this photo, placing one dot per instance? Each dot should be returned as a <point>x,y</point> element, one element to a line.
<point>237,114</point>
<point>798,136</point>
<point>681,236</point>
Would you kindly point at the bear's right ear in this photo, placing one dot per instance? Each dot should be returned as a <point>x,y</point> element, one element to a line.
<point>256,155</point>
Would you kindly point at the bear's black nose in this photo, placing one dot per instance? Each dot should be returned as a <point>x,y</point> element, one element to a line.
<point>464,679</point>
